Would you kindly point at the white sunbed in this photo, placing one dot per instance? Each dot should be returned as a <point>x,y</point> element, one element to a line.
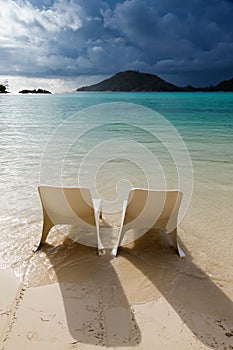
<point>74,206</point>
<point>145,209</point>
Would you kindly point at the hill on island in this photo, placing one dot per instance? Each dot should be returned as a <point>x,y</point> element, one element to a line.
<point>131,81</point>
<point>135,81</point>
<point>225,85</point>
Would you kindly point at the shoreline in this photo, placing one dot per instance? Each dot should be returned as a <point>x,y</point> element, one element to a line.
<point>65,296</point>
<point>81,299</point>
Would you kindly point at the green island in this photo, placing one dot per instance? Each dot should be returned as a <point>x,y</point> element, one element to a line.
<point>135,81</point>
<point>34,91</point>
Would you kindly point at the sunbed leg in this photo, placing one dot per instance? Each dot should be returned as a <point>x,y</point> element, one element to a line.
<point>46,228</point>
<point>173,237</point>
<point>47,225</point>
<point>116,247</point>
<point>114,251</point>
<point>101,250</point>
<point>97,204</point>
<point>121,231</point>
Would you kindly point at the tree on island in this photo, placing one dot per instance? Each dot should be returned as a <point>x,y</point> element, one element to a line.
<point>2,89</point>
<point>6,84</point>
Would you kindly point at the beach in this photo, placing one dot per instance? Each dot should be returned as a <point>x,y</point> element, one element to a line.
<point>65,296</point>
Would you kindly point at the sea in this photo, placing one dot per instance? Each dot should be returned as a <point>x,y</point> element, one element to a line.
<point>111,142</point>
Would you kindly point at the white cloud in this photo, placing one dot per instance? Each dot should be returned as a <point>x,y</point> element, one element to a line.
<point>55,85</point>
<point>28,36</point>
<point>21,19</point>
<point>55,38</point>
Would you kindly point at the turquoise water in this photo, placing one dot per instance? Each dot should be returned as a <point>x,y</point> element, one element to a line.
<point>204,121</point>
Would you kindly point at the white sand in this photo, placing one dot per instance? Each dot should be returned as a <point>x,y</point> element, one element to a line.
<point>45,324</point>
<point>10,288</point>
<point>146,298</point>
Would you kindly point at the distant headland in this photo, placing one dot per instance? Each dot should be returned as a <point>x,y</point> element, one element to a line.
<point>134,81</point>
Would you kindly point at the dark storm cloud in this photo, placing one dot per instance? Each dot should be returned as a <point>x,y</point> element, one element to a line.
<point>187,41</point>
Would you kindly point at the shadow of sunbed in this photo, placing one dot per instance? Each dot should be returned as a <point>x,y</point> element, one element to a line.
<point>96,307</point>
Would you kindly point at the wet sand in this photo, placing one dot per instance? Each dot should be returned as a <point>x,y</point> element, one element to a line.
<point>66,297</point>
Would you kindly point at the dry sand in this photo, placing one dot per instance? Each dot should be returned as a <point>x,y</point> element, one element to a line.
<point>66,297</point>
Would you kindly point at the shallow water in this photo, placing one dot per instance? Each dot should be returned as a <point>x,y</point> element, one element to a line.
<point>204,121</point>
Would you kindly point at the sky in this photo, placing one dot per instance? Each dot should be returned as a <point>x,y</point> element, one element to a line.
<point>62,45</point>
